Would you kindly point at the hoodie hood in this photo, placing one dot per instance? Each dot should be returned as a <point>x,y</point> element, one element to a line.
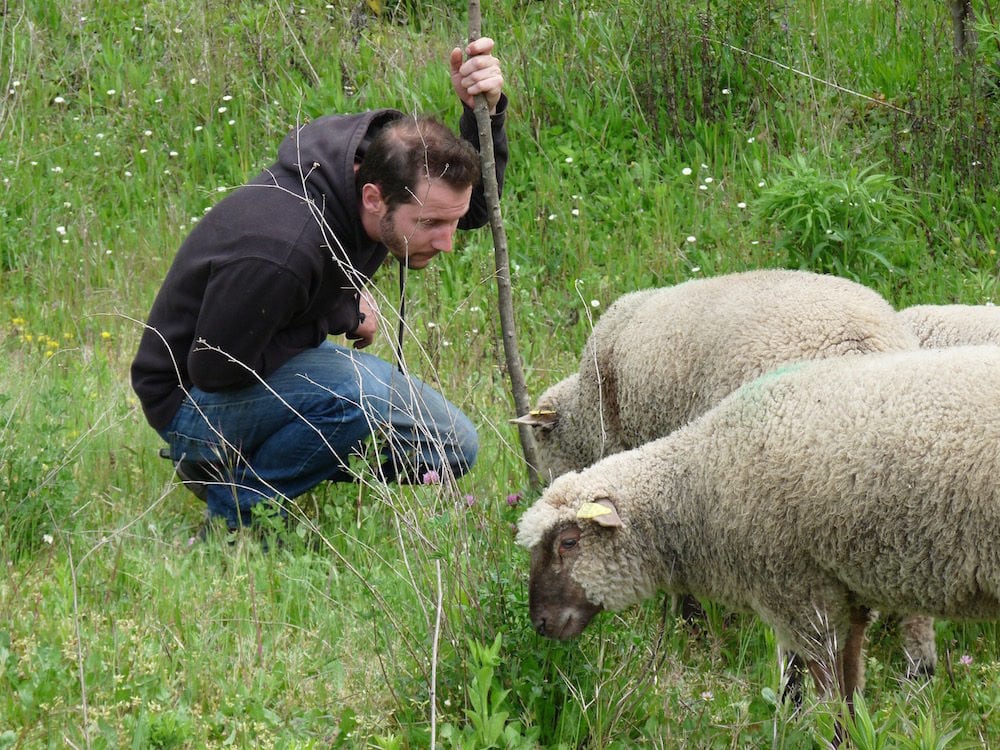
<point>321,155</point>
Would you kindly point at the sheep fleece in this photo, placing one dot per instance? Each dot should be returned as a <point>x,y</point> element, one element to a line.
<point>657,358</point>
<point>936,326</point>
<point>808,493</point>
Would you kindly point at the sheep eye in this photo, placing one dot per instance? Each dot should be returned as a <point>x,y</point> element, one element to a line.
<point>567,544</point>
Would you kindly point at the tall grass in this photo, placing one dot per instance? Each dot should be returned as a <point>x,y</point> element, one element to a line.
<point>648,141</point>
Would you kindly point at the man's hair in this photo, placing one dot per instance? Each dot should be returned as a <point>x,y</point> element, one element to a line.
<point>411,149</point>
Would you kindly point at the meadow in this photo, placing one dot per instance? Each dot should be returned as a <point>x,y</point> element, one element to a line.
<point>651,142</point>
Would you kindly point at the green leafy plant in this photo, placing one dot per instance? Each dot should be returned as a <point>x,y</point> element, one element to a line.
<point>862,730</point>
<point>489,725</point>
<point>927,735</point>
<point>988,51</point>
<point>853,225</point>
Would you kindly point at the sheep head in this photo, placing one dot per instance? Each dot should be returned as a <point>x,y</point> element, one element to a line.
<point>563,438</point>
<point>558,604</point>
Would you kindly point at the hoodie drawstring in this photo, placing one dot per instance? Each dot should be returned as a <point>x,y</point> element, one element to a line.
<point>402,318</point>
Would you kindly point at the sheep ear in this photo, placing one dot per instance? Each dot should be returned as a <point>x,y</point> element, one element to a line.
<point>538,418</point>
<point>601,512</point>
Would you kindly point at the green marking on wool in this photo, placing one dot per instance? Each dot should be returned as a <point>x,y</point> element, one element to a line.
<point>776,373</point>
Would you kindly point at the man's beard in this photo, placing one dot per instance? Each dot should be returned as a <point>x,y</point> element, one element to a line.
<point>393,239</point>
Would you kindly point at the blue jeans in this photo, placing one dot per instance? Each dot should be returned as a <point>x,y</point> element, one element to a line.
<point>283,437</point>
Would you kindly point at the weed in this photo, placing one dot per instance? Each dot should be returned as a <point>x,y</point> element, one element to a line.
<point>854,225</point>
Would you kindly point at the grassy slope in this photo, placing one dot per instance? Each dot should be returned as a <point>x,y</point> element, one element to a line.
<point>121,122</point>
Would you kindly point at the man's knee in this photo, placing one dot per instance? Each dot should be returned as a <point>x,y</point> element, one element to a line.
<point>466,448</point>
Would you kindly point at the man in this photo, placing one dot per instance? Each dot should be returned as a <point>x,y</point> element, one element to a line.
<point>234,369</point>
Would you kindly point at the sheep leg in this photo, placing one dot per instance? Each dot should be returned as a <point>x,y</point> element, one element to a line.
<point>848,669</point>
<point>851,659</point>
<point>919,646</point>
<point>691,610</point>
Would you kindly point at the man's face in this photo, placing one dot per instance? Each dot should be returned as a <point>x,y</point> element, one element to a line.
<point>416,231</point>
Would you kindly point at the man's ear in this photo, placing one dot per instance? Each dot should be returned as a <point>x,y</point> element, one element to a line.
<point>372,200</point>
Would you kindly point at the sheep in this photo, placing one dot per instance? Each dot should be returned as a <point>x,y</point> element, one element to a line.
<point>953,325</point>
<point>811,496</point>
<point>659,357</point>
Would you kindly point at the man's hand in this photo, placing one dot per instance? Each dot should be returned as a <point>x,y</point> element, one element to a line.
<point>364,334</point>
<point>479,74</point>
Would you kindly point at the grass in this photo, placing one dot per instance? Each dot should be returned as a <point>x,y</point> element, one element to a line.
<point>650,144</point>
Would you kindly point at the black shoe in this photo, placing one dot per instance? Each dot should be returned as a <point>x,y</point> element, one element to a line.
<point>214,529</point>
<point>271,537</point>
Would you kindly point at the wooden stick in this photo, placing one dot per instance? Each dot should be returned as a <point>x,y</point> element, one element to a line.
<point>505,300</point>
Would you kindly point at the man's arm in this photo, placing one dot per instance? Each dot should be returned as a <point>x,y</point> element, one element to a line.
<point>481,74</point>
<point>242,332</point>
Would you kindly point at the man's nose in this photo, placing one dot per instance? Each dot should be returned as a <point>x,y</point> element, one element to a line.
<point>444,240</point>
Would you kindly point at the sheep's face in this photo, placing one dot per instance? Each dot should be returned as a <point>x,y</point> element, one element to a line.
<point>544,423</point>
<point>558,605</point>
<point>563,443</point>
<point>563,551</point>
<point>557,451</point>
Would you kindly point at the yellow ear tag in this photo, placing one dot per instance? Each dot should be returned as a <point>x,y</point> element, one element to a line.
<point>542,412</point>
<point>592,510</point>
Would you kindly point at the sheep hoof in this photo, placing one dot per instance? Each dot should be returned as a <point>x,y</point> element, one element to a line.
<point>794,690</point>
<point>920,671</point>
<point>691,610</point>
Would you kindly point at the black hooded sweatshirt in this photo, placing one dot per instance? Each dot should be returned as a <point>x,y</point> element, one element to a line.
<point>274,267</point>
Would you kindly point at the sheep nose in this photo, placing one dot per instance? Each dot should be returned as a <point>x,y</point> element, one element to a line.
<point>540,626</point>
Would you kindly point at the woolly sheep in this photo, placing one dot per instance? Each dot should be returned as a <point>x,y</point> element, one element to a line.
<point>658,358</point>
<point>811,496</point>
<point>937,326</point>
